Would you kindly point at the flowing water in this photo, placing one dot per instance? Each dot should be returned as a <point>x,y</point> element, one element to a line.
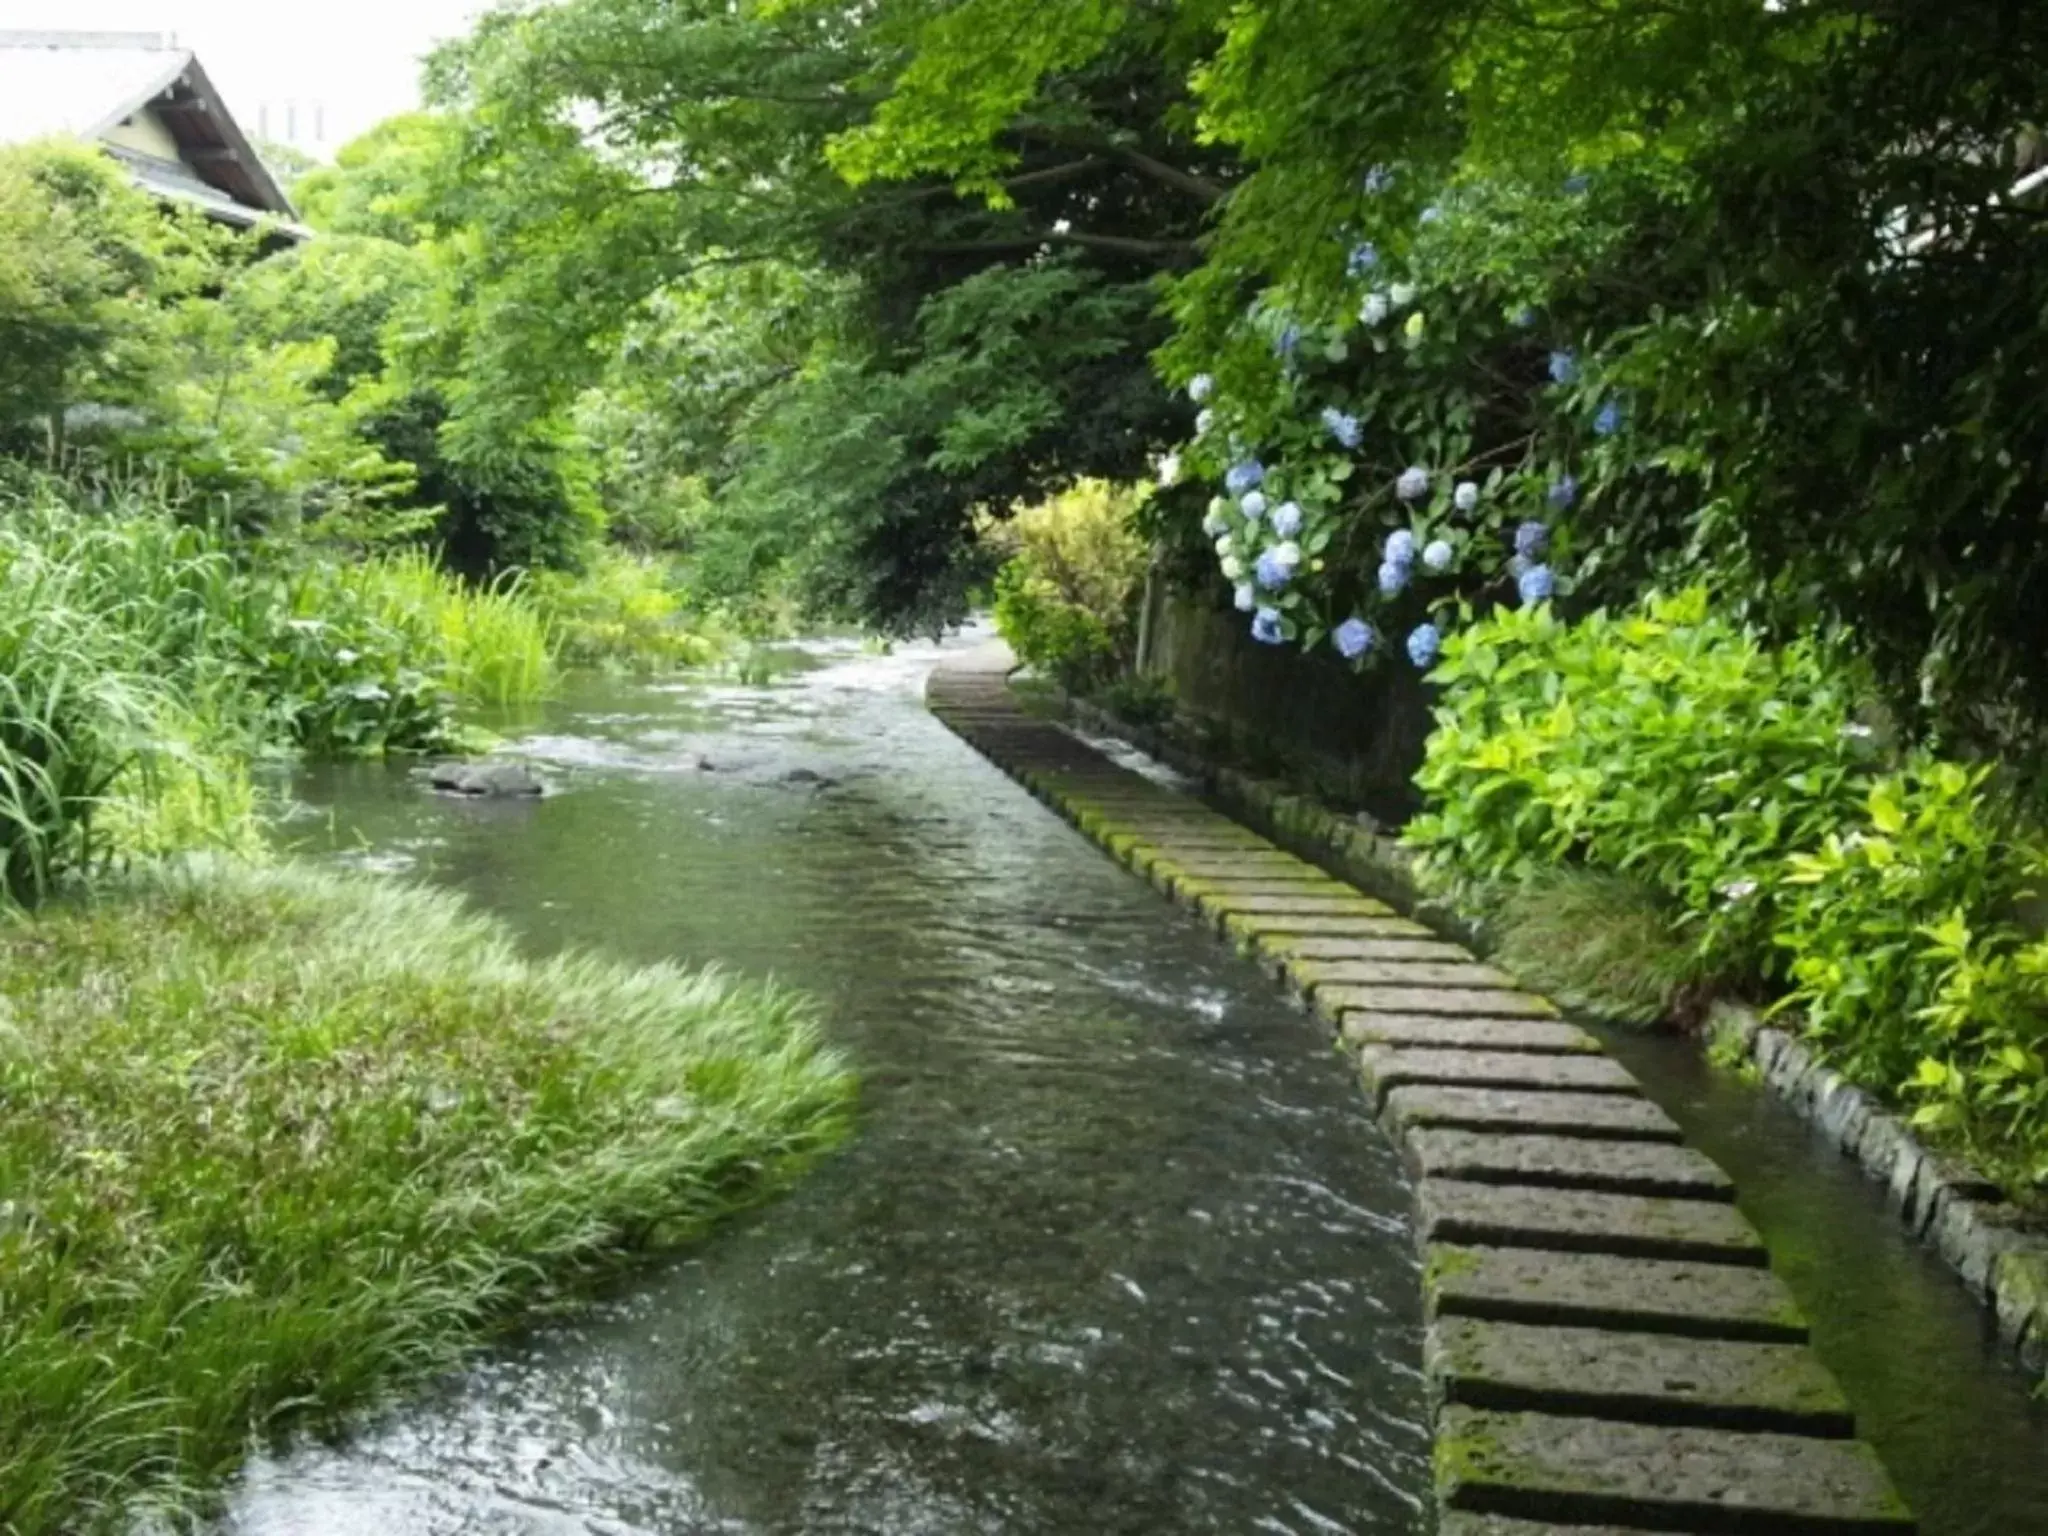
<point>1115,1249</point>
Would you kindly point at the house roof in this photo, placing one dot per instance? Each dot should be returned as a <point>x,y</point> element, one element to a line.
<point>87,84</point>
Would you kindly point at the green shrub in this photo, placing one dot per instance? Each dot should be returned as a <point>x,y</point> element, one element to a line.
<point>1606,944</point>
<point>1065,601</point>
<point>1664,744</point>
<point>279,1140</point>
<point>622,610</point>
<point>1908,964</point>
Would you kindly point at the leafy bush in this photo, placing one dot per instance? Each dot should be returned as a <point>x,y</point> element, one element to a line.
<point>623,610</point>
<point>446,1133</point>
<point>1065,600</point>
<point>1908,964</point>
<point>1666,744</point>
<point>1729,785</point>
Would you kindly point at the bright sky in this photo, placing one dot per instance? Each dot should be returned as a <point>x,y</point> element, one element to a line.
<point>356,59</point>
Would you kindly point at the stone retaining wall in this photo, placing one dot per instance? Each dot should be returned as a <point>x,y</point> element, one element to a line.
<point>1605,1345</point>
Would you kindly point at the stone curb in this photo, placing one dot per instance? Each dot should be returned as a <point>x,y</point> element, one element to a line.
<point>1540,1169</point>
<point>1950,1206</point>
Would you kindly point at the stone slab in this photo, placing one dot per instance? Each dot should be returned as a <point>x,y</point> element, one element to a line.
<point>1253,865</point>
<point>1543,1036</point>
<point>1598,1290</point>
<point>1457,1523</point>
<point>1314,975</point>
<point>1639,1378</point>
<point>1208,885</point>
<point>1600,1116</point>
<point>1569,1162</point>
<point>1467,1002</point>
<point>1585,1221</point>
<point>1329,947</point>
<point>1223,906</point>
<point>1388,1067</point>
<point>1592,1471</point>
<point>1270,931</point>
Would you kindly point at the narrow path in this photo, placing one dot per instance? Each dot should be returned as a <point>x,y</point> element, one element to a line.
<point>1606,1345</point>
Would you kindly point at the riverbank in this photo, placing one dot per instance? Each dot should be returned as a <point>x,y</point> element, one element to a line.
<point>276,1141</point>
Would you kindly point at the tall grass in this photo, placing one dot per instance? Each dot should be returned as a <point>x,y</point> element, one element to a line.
<point>492,644</point>
<point>275,1141</point>
<point>624,612</point>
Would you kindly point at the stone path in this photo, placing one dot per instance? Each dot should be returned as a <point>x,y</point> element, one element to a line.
<point>1607,1349</point>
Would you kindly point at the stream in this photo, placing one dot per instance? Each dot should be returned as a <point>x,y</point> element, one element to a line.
<point>1116,1249</point>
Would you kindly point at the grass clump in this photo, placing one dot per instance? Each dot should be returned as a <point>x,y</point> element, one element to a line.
<point>1601,943</point>
<point>623,612</point>
<point>274,1140</point>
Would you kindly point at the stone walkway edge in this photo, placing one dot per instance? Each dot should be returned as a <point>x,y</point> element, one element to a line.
<point>2000,1257</point>
<point>1605,1347</point>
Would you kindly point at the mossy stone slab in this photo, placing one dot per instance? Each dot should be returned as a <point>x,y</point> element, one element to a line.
<point>1540,1036</point>
<point>1387,1067</point>
<point>1456,1522</point>
<point>1598,1290</point>
<point>1643,1378</point>
<point>1222,905</point>
<point>1569,1162</point>
<point>1329,948</point>
<point>1314,975</point>
<point>1595,1471</point>
<point>1273,932</point>
<point>1465,1002</point>
<point>1585,1221</point>
<point>1601,1116</point>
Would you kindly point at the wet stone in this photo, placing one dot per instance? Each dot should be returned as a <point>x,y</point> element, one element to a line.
<point>1580,1471</point>
<point>1598,1116</point>
<point>1314,975</point>
<point>1466,1002</point>
<point>1327,948</point>
<point>1644,1378</point>
<point>1223,906</point>
<point>1276,933</point>
<point>1598,1290</point>
<point>1458,1523</point>
<point>1585,1221</point>
<point>1389,1067</point>
<point>1542,1036</point>
<point>1245,866</point>
<point>1569,1162</point>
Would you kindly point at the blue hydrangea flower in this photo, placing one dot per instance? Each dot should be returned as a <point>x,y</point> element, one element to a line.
<point>1608,421</point>
<point>1531,539</point>
<point>1270,571</point>
<point>1466,496</point>
<point>1401,547</point>
<point>1353,638</point>
<point>1562,494</point>
<point>1288,341</point>
<point>1436,554</point>
<point>1253,505</point>
<point>1378,180</point>
<point>1363,258</point>
<point>1429,215</point>
<point>1423,643</point>
<point>1245,597</point>
<point>1535,584</point>
<point>1266,626</point>
<point>1246,475</point>
<point>1517,564</point>
<point>1564,366</point>
<point>1393,577</point>
<point>1525,317</point>
<point>1413,484</point>
<point>1574,185</point>
<point>1200,387</point>
<point>1343,426</point>
<point>1375,309</point>
<point>1287,519</point>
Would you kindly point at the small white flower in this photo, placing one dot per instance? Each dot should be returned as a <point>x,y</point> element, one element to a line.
<point>1225,544</point>
<point>1200,387</point>
<point>1213,523</point>
<point>1233,568</point>
<point>1204,420</point>
<point>1287,556</point>
<point>1403,294</point>
<point>1437,554</point>
<point>1254,505</point>
<point>1169,470</point>
<point>1739,890</point>
<point>1246,597</point>
<point>1466,496</point>
<point>1375,308</point>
